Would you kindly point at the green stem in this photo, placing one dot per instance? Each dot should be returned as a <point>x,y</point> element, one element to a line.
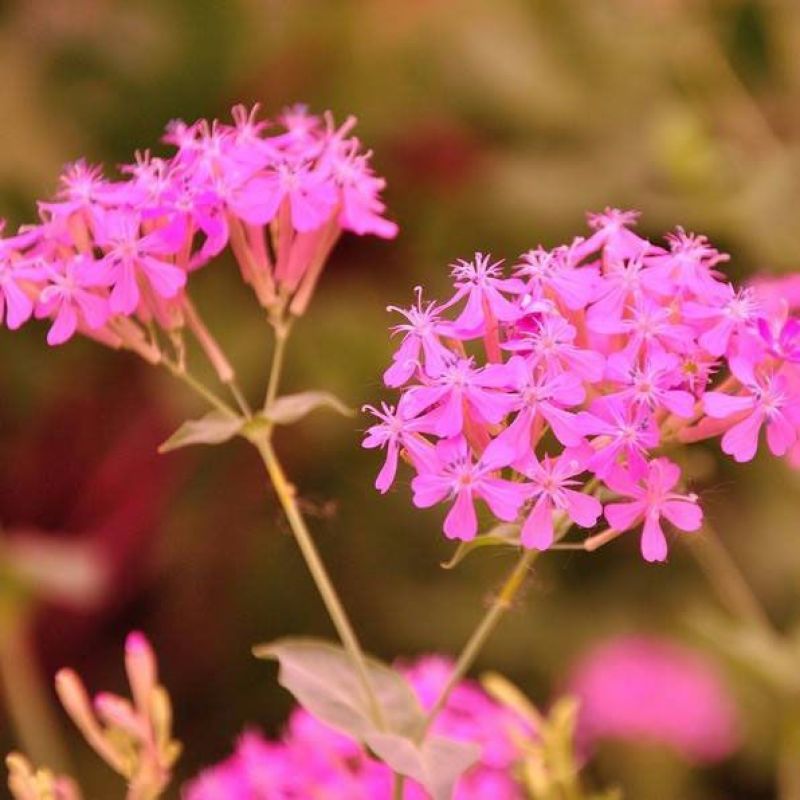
<point>732,588</point>
<point>200,388</point>
<point>735,593</point>
<point>26,696</point>
<point>286,496</point>
<point>282,330</point>
<point>789,757</point>
<point>501,603</point>
<point>241,400</point>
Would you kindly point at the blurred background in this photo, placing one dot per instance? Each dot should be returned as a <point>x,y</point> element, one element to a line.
<point>497,123</point>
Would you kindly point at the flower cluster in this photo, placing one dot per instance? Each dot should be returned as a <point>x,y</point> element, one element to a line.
<point>134,737</point>
<point>638,688</point>
<point>537,391</point>
<point>313,760</point>
<point>107,254</point>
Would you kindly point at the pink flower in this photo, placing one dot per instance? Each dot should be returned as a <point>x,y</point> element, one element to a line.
<point>621,286</point>
<point>395,432</point>
<point>361,208</point>
<point>553,273</point>
<point>624,429</point>
<point>649,328</point>
<point>551,344</point>
<point>15,303</point>
<point>735,311</point>
<point>470,715</point>
<point>460,388</point>
<point>537,398</point>
<point>482,283</point>
<point>459,479</point>
<point>641,689</point>
<point>767,399</point>
<point>613,234</point>
<point>652,385</point>
<point>311,760</point>
<point>421,345</point>
<point>652,499</point>
<point>689,266</point>
<point>132,256</point>
<point>553,490</point>
<point>69,298</point>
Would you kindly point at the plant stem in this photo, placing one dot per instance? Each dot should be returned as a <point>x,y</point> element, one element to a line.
<point>501,603</point>
<point>286,496</point>
<point>241,400</point>
<point>737,596</point>
<point>788,778</point>
<point>282,330</point>
<point>26,696</point>
<point>732,588</point>
<point>200,388</point>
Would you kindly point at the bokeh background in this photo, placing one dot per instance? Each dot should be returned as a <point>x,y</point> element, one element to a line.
<point>497,123</point>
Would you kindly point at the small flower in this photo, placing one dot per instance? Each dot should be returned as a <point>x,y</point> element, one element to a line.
<point>553,273</point>
<point>68,298</point>
<point>461,390</point>
<point>459,479</point>
<point>652,499</point>
<point>395,432</point>
<point>734,312</point>
<point>553,489</point>
<point>131,256</point>
<point>421,337</point>
<point>539,399</point>
<point>481,281</point>
<point>624,429</point>
<point>768,399</point>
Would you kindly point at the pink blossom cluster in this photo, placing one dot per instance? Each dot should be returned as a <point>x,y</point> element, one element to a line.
<point>278,193</point>
<point>313,760</point>
<point>537,390</point>
<point>638,688</point>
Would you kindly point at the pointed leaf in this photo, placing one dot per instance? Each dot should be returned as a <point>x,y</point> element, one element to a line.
<point>324,681</point>
<point>437,763</point>
<point>509,695</point>
<point>213,428</point>
<point>292,407</point>
<point>503,535</point>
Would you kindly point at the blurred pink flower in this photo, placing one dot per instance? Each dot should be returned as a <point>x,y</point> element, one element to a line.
<point>647,689</point>
<point>313,760</point>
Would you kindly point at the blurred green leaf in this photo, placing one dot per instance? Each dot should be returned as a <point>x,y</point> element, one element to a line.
<point>503,535</point>
<point>213,428</point>
<point>436,763</point>
<point>322,678</point>
<point>293,407</point>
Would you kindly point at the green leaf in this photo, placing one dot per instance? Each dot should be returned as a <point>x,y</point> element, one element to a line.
<point>437,763</point>
<point>509,695</point>
<point>213,428</point>
<point>324,681</point>
<point>503,535</point>
<point>293,407</point>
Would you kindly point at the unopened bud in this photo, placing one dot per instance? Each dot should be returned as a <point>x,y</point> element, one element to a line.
<point>142,669</point>
<point>117,712</point>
